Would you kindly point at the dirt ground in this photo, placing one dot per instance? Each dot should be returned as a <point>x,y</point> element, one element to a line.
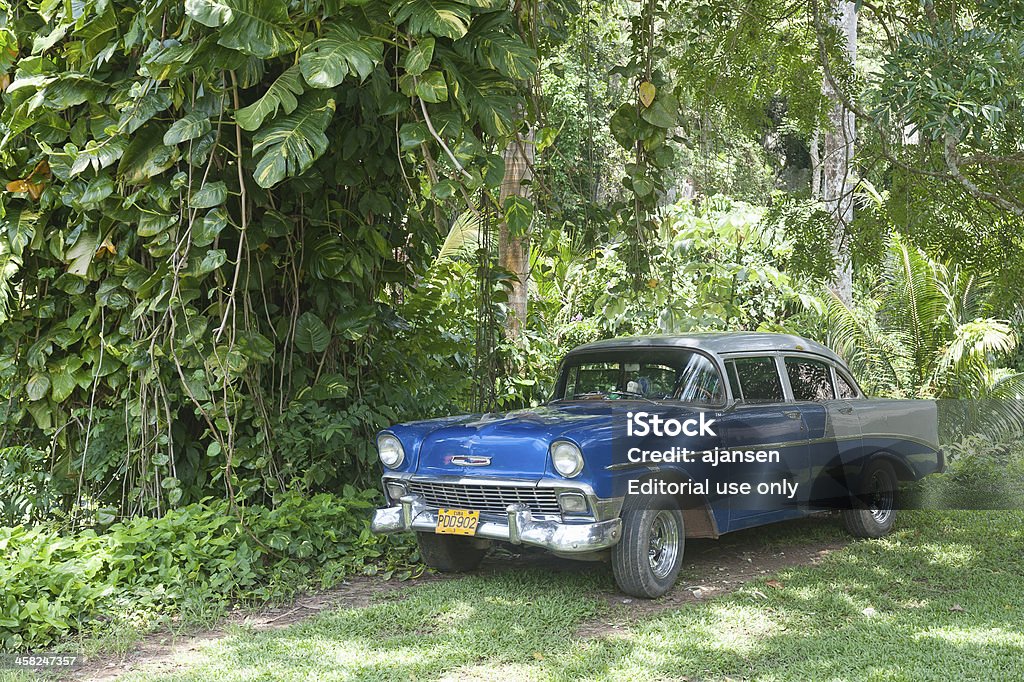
<point>711,568</point>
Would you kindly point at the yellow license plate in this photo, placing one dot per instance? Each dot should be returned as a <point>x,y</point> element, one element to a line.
<point>457,522</point>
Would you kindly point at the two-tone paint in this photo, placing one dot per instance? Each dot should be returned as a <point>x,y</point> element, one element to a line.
<point>823,445</point>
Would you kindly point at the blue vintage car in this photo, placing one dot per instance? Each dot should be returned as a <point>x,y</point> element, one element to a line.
<point>648,441</point>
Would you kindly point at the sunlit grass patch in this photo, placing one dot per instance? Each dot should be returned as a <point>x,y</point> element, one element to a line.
<point>942,599</point>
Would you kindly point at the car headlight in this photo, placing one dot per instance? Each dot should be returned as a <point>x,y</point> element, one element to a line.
<point>566,458</point>
<point>390,450</point>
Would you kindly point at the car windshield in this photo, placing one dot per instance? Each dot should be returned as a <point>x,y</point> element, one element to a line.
<point>651,374</point>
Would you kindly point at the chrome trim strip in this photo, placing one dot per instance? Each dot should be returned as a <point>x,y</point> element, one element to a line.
<point>470,461</point>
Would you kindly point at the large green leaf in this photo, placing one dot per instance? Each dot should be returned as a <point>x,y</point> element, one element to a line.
<point>212,13</point>
<point>213,259</point>
<point>663,112</point>
<point>137,111</point>
<point>209,195</point>
<point>255,27</point>
<point>79,257</point>
<point>19,226</point>
<point>255,346</point>
<point>418,59</point>
<point>434,17</point>
<point>9,267</point>
<point>412,135</point>
<point>291,144</point>
<point>485,97</point>
<point>97,154</point>
<point>311,334</point>
<point>500,50</point>
<point>189,127</point>
<point>62,383</point>
<point>68,91</point>
<point>518,214</point>
<point>339,51</point>
<point>37,386</point>
<point>206,229</point>
<point>281,94</point>
<point>430,87</point>
<point>259,28</point>
<point>96,190</point>
<point>146,156</point>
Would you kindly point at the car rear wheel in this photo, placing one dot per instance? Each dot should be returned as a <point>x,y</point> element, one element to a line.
<point>450,554</point>
<point>647,560</point>
<point>875,507</point>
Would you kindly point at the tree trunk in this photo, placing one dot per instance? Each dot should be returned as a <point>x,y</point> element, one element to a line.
<point>837,185</point>
<point>815,151</point>
<point>514,249</point>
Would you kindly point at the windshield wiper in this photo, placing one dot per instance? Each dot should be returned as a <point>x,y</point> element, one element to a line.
<point>631,394</point>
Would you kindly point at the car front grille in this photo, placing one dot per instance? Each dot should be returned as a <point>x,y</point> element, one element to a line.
<point>493,499</point>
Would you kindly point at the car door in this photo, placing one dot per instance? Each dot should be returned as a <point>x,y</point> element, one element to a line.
<point>763,419</point>
<point>834,429</point>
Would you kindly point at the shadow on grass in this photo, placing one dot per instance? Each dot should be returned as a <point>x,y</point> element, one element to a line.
<point>940,599</point>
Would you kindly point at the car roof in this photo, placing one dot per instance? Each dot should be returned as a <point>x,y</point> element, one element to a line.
<point>719,343</point>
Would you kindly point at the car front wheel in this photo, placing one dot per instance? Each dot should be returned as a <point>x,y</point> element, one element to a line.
<point>647,560</point>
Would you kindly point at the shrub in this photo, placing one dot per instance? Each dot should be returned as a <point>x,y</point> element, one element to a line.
<point>55,583</point>
<point>982,473</point>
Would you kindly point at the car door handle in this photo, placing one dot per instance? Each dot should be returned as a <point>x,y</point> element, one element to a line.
<point>846,409</point>
<point>792,414</point>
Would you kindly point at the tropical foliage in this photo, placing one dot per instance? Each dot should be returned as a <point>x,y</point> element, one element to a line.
<point>926,330</point>
<point>237,237</point>
<point>194,294</point>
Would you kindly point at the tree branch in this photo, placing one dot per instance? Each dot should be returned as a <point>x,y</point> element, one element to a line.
<point>952,158</point>
<point>433,133</point>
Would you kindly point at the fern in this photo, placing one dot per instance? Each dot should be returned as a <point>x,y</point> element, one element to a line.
<point>925,332</point>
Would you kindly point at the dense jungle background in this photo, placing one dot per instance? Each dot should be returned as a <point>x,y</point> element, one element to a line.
<point>239,237</point>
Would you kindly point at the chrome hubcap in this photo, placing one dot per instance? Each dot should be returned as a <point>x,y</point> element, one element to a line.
<point>663,547</point>
<point>880,497</point>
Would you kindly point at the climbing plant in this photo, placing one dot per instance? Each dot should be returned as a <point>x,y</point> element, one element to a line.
<point>210,208</point>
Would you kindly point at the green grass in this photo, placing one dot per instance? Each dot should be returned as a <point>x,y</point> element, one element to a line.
<point>942,599</point>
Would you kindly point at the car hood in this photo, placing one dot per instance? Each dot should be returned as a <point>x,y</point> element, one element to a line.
<point>509,444</point>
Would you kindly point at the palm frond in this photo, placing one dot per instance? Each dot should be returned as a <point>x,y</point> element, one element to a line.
<point>463,237</point>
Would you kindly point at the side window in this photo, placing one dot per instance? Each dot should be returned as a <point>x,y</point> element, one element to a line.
<point>699,382</point>
<point>843,387</point>
<point>755,380</point>
<point>810,379</point>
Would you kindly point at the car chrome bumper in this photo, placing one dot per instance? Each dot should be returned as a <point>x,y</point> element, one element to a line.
<point>519,529</point>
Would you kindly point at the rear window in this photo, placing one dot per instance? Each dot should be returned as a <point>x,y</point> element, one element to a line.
<point>844,388</point>
<point>810,379</point>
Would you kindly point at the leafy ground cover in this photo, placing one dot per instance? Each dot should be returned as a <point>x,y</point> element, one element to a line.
<point>941,598</point>
<point>193,562</point>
